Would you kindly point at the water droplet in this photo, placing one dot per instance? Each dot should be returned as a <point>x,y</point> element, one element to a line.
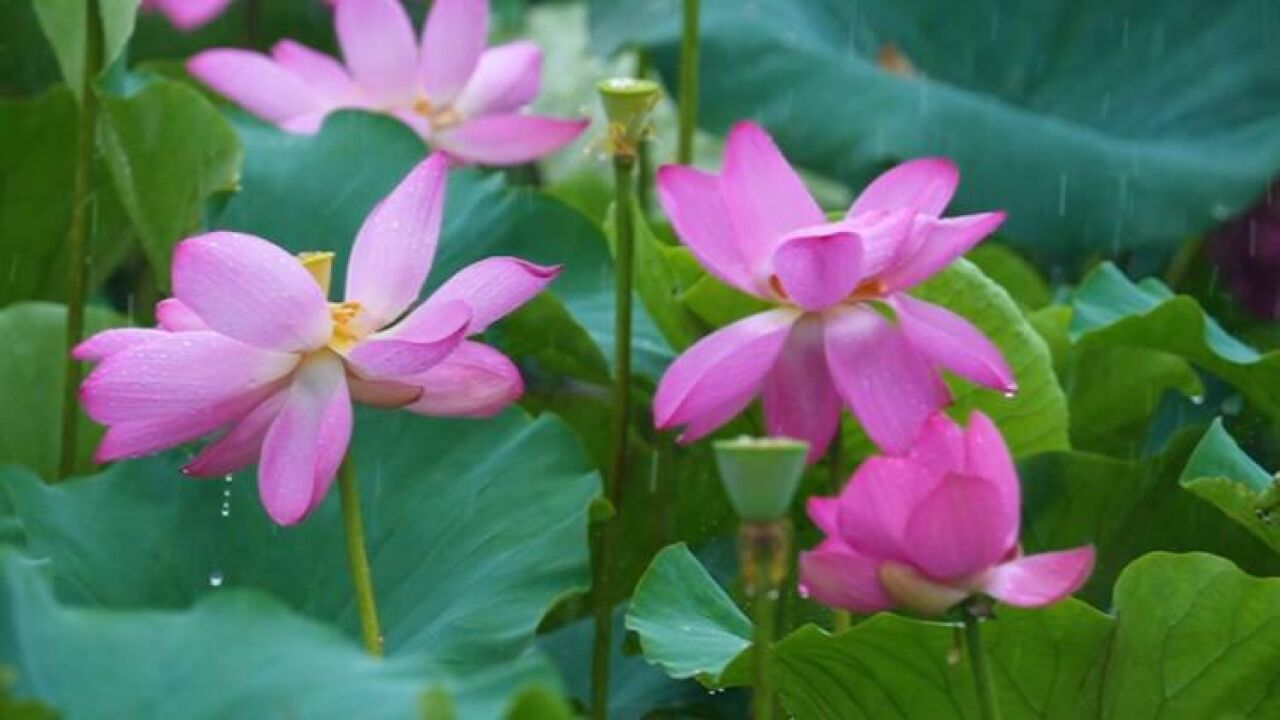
<point>1197,399</point>
<point>1010,394</point>
<point>215,579</point>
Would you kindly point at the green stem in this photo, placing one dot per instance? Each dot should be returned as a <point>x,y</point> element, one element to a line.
<point>615,483</point>
<point>358,559</point>
<point>978,666</point>
<point>764,553</point>
<point>688,81</point>
<point>78,235</point>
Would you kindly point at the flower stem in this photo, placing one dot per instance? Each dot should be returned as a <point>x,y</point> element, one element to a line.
<point>615,482</point>
<point>688,81</point>
<point>78,235</point>
<point>358,559</point>
<point>764,549</point>
<point>978,666</point>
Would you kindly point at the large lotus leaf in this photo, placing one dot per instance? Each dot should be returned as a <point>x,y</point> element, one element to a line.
<point>66,26</point>
<point>1221,473</point>
<point>474,529</point>
<point>31,381</point>
<point>1077,116</point>
<point>234,654</point>
<point>313,192</point>
<point>1162,653</point>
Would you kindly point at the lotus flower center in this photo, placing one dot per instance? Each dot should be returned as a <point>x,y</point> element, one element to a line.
<point>346,331</point>
<point>870,289</point>
<point>439,117</point>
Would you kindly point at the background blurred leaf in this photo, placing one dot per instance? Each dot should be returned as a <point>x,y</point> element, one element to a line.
<point>64,23</point>
<point>1076,116</point>
<point>662,273</point>
<point>168,150</point>
<point>1013,273</point>
<point>31,375</point>
<point>1161,652</point>
<point>1219,472</point>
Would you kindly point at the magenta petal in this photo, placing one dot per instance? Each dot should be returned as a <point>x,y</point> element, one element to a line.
<point>382,393</point>
<point>877,503</point>
<point>109,342</point>
<point>722,371</point>
<point>173,315</point>
<point>306,441</point>
<point>818,271</point>
<point>255,82</point>
<point>396,245</point>
<point>241,444</point>
<point>327,77</point>
<point>1038,580</point>
<point>491,288</point>
<point>951,342</point>
<point>378,43</point>
<point>924,185</point>
<point>987,456</point>
<point>939,243</point>
<point>764,196</point>
<point>507,139</point>
<point>142,437</point>
<point>695,204</point>
<point>475,381</point>
<point>248,289</point>
<point>453,39</point>
<point>395,356</point>
<point>800,400</point>
<point>191,14</point>
<point>961,527</point>
<point>941,447</point>
<point>505,80</point>
<point>891,387</point>
<point>177,373</point>
<point>839,577</point>
<point>824,512</point>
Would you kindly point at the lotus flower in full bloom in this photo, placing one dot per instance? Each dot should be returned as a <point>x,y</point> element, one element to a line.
<point>249,348</point>
<point>461,98</point>
<point>928,530</point>
<point>187,14</point>
<point>845,328</point>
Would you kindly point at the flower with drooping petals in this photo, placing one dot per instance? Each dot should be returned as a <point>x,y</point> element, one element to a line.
<point>929,530</point>
<point>845,330</point>
<point>461,98</point>
<point>187,14</point>
<point>249,348</point>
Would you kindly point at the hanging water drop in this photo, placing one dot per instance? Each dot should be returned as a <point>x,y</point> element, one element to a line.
<point>215,579</point>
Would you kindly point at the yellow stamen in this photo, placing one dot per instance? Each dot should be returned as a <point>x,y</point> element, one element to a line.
<point>320,265</point>
<point>344,333</point>
<point>870,290</point>
<point>439,117</point>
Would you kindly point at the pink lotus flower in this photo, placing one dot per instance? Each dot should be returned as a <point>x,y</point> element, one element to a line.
<point>928,530</point>
<point>460,97</point>
<point>249,347</point>
<point>845,330</point>
<point>187,14</point>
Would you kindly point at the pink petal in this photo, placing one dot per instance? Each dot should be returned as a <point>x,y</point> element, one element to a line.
<point>394,356</point>
<point>378,43</point>
<point>817,271</point>
<point>961,527</point>
<point>800,400</point>
<point>1038,580</point>
<point>505,80</point>
<point>987,456</point>
<point>255,82</point>
<point>839,577</point>
<point>723,370</point>
<point>491,288</point>
<point>951,342</point>
<point>940,242</point>
<point>395,247</point>
<point>109,342</point>
<point>508,139</point>
<point>306,442</point>
<point>452,42</point>
<point>764,196</point>
<point>248,289</point>
<point>695,204</point>
<point>877,503</point>
<point>142,437</point>
<point>941,446</point>
<point>177,373</point>
<point>191,14</point>
<point>382,393</point>
<point>890,386</point>
<point>884,237</point>
<point>925,185</point>
<point>475,381</point>
<point>327,77</point>
<point>824,511</point>
<point>172,315</point>
<point>241,444</point>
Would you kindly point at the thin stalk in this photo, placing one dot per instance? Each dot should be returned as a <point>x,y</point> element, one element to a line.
<point>978,666</point>
<point>688,82</point>
<point>358,559</point>
<point>615,482</point>
<point>78,235</point>
<point>764,550</point>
